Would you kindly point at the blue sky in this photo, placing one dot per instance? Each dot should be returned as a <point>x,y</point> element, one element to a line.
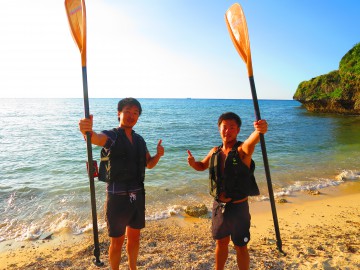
<point>171,48</point>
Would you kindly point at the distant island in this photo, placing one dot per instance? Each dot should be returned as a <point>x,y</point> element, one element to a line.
<point>335,92</point>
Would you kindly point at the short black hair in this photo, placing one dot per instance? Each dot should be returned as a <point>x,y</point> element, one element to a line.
<point>229,116</point>
<point>129,101</point>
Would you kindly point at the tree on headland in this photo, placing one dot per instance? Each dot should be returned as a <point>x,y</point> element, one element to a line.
<point>335,92</point>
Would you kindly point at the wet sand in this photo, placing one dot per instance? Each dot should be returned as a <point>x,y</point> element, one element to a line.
<point>317,231</point>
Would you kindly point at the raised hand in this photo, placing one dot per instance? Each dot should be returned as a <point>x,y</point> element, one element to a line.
<point>261,126</point>
<point>86,124</point>
<point>191,159</point>
<point>160,149</point>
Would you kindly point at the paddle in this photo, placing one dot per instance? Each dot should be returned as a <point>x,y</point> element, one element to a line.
<point>237,27</point>
<point>76,13</point>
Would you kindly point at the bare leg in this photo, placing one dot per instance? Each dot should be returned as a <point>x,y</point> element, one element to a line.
<point>221,252</point>
<point>242,257</point>
<point>115,251</point>
<point>132,247</point>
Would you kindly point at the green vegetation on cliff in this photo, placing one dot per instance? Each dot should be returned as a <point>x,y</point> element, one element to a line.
<point>337,91</point>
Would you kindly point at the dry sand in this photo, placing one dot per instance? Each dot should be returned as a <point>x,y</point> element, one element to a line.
<point>317,231</point>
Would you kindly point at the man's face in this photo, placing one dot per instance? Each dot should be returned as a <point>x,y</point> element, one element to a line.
<point>129,116</point>
<point>229,130</point>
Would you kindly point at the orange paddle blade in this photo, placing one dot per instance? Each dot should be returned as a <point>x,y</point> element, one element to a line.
<point>237,27</point>
<point>76,13</point>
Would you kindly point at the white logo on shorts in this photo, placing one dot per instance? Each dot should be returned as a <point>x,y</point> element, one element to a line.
<point>132,197</point>
<point>246,239</point>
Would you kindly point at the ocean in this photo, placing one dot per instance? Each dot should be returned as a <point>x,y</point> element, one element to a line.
<point>44,186</point>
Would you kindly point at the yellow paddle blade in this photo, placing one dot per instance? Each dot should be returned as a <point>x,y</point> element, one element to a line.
<point>237,27</point>
<point>76,13</point>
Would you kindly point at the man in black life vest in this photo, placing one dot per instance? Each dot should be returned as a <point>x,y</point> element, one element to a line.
<point>127,156</point>
<point>230,214</point>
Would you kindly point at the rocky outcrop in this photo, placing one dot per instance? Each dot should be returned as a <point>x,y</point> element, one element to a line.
<point>337,91</point>
<point>196,211</point>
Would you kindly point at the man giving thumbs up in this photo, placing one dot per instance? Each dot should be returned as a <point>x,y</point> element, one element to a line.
<point>125,173</point>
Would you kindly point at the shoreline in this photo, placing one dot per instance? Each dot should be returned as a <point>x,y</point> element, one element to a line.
<point>317,231</point>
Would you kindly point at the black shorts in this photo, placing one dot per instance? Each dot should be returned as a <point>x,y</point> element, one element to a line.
<point>233,220</point>
<point>124,210</point>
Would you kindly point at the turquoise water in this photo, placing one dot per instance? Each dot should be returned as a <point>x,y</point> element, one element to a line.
<point>43,181</point>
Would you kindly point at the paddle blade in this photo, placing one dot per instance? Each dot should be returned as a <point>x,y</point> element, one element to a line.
<point>237,27</point>
<point>76,13</point>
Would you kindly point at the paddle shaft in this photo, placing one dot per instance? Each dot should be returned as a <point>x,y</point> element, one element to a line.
<point>266,165</point>
<point>91,170</point>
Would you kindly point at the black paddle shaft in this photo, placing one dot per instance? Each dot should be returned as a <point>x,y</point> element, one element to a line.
<point>91,171</point>
<point>266,165</point>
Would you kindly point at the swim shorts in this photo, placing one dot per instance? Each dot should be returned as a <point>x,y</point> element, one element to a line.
<point>231,219</point>
<point>124,210</point>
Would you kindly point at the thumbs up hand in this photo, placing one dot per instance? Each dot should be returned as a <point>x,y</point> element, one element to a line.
<point>191,159</point>
<point>160,149</point>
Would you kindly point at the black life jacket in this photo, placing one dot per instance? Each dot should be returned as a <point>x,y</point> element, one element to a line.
<point>237,181</point>
<point>116,164</point>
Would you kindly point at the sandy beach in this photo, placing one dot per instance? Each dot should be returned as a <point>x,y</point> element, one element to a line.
<point>319,231</point>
